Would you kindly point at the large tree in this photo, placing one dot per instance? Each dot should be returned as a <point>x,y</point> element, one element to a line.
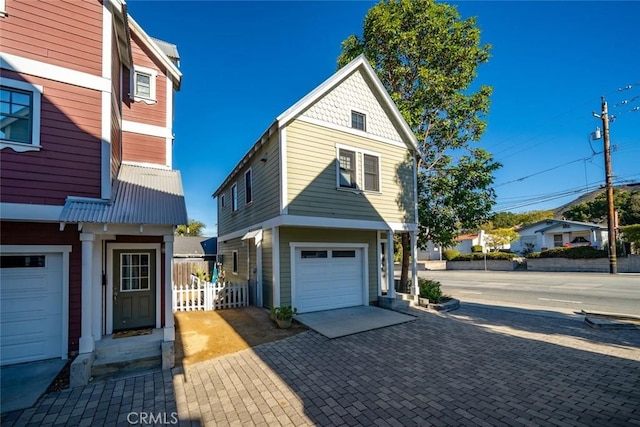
<point>426,56</point>
<point>194,228</point>
<point>626,202</point>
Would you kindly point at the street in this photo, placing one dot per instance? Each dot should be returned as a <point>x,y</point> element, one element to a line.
<point>563,292</point>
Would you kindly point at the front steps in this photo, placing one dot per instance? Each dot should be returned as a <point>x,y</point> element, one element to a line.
<point>122,357</point>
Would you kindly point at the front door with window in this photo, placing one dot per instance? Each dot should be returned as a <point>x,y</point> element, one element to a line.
<point>134,289</point>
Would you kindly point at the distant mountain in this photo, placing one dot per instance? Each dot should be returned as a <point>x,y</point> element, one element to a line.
<point>557,212</point>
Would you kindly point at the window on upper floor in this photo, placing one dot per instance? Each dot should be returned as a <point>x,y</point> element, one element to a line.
<point>371,171</point>
<point>248,182</point>
<point>20,115</point>
<point>358,169</point>
<point>143,84</point>
<point>358,120</point>
<point>222,201</point>
<point>347,166</point>
<point>234,197</point>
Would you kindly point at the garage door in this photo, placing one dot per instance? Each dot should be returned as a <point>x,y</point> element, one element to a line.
<point>30,307</point>
<point>327,278</point>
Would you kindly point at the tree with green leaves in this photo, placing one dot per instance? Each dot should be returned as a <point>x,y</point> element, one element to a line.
<point>501,237</point>
<point>194,229</point>
<point>426,56</point>
<point>626,202</point>
<point>511,219</point>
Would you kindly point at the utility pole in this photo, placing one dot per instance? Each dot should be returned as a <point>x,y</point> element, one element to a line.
<point>613,262</point>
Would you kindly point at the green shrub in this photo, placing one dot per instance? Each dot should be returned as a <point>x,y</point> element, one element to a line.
<point>430,289</point>
<point>476,248</point>
<point>580,252</point>
<point>450,254</point>
<point>480,256</point>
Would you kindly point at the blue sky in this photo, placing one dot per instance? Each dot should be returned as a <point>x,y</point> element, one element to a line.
<point>244,63</point>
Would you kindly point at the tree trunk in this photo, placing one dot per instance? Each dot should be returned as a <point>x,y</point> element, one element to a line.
<point>406,260</point>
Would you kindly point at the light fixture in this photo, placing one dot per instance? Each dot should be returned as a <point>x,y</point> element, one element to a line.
<point>264,158</point>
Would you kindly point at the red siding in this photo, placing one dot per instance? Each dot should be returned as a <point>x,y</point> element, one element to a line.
<point>143,148</point>
<point>69,162</point>
<point>141,112</point>
<point>63,33</point>
<point>23,233</point>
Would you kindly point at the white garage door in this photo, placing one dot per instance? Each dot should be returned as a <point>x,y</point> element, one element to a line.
<point>30,307</point>
<point>327,278</point>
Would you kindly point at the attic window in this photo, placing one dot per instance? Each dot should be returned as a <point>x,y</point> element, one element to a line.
<point>143,82</point>
<point>358,120</point>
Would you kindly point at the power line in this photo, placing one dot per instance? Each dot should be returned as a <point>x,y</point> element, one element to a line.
<point>546,170</point>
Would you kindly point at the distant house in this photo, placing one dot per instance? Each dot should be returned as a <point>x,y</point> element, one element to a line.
<point>464,243</point>
<point>553,233</point>
<point>188,248</point>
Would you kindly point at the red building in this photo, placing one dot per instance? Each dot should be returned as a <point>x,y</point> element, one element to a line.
<point>88,196</point>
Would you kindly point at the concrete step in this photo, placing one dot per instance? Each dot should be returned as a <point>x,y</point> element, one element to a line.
<point>126,363</point>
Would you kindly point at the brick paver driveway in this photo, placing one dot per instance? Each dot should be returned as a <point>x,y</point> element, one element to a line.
<point>473,366</point>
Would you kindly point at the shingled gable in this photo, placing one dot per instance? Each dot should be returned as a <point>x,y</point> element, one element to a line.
<point>360,63</point>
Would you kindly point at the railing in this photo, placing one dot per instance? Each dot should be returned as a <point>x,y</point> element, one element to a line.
<point>201,295</point>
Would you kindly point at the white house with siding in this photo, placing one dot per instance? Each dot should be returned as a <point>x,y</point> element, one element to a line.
<point>553,233</point>
<point>308,214</point>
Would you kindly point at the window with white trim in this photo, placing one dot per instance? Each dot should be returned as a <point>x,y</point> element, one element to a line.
<point>134,272</point>
<point>358,120</point>
<point>235,262</point>
<point>20,115</point>
<point>358,169</point>
<point>347,168</point>
<point>371,172</point>
<point>234,197</point>
<point>143,84</point>
<point>248,183</point>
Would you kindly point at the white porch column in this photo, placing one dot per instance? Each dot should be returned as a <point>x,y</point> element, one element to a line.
<point>169,325</point>
<point>414,262</point>
<point>87,343</point>
<point>391,292</point>
<point>259,269</point>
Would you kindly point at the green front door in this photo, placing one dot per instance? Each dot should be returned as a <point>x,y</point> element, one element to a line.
<point>134,289</point>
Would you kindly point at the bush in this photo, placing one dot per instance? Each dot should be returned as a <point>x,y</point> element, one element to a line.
<point>430,289</point>
<point>480,256</point>
<point>450,254</point>
<point>476,248</point>
<point>580,252</point>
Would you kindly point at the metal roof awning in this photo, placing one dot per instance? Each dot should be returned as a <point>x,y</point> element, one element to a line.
<point>141,195</point>
<point>252,234</point>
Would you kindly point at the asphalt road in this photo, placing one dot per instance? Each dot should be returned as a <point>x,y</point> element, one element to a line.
<point>563,292</point>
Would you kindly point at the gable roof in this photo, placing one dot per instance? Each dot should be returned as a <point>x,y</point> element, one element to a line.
<point>141,195</point>
<point>548,224</point>
<point>194,247</point>
<point>359,63</point>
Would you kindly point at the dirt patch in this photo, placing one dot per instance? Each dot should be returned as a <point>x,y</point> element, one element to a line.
<point>204,335</point>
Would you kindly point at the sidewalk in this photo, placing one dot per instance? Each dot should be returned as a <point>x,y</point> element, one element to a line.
<point>473,366</point>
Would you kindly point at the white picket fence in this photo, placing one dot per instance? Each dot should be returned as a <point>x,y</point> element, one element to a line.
<point>201,295</point>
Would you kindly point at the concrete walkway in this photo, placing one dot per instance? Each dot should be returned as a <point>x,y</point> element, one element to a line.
<point>22,385</point>
<point>473,366</point>
<point>352,320</point>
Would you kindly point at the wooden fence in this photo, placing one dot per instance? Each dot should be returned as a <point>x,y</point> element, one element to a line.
<point>201,295</point>
<point>183,269</point>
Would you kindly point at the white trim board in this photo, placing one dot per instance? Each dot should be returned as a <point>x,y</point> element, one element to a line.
<point>29,212</point>
<point>54,72</point>
<point>312,221</point>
